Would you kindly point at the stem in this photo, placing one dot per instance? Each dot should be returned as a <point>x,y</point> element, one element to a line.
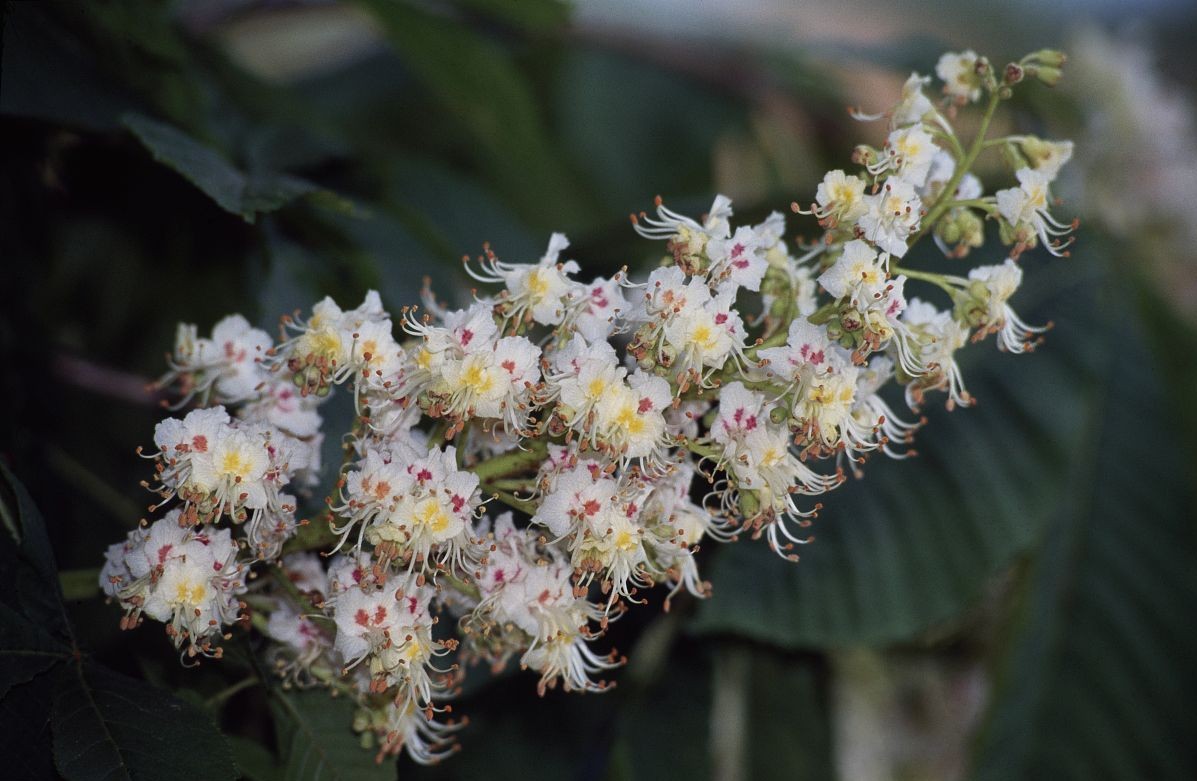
<point>306,608</point>
<point>512,501</point>
<point>975,203</point>
<point>221,696</point>
<point>511,463</point>
<point>936,279</point>
<point>945,198</point>
<point>459,585</point>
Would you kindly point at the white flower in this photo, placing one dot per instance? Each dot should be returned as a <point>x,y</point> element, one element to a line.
<point>891,216</point>
<point>807,351</point>
<point>935,339</point>
<point>705,332</point>
<point>839,198</point>
<point>536,291</point>
<point>242,349</point>
<point>1027,206</point>
<point>914,105</point>
<point>600,308</point>
<point>390,629</point>
<point>908,154</point>
<point>417,513</point>
<point>858,274</point>
<point>1047,157</point>
<point>873,421</point>
<point>958,71</point>
<point>630,417</point>
<point>1001,282</point>
<point>187,579</point>
<point>737,261</point>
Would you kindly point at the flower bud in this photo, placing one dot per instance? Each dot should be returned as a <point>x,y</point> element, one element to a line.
<point>1052,58</point>
<point>1046,74</point>
<point>864,155</point>
<point>1014,74</point>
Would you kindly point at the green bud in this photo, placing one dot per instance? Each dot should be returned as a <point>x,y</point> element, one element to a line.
<point>1014,157</point>
<point>864,154</point>
<point>778,415</point>
<point>1046,74</point>
<point>834,331</point>
<point>750,505</point>
<point>949,231</point>
<point>1053,58</point>
<point>972,229</point>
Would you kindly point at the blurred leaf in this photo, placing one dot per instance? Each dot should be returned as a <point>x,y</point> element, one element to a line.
<point>138,43</point>
<point>630,142</point>
<point>50,75</point>
<point>317,739</point>
<point>233,190</point>
<point>492,104</point>
<point>536,15</point>
<point>110,726</point>
<point>916,541</point>
<point>741,711</point>
<point>1097,679</point>
<point>253,761</point>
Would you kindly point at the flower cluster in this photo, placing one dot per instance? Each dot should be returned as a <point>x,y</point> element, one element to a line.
<point>529,467</point>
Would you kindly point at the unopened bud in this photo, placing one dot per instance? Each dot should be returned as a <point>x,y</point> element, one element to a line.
<point>1052,58</point>
<point>1014,74</point>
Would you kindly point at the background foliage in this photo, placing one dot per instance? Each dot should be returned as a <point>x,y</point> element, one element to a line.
<point>1032,567</point>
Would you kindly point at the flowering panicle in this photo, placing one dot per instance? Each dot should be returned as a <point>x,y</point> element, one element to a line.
<point>623,424</point>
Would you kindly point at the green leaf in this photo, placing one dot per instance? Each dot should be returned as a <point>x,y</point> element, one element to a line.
<point>493,107</point>
<point>916,541</point>
<point>25,729</point>
<point>739,711</point>
<point>254,761</point>
<point>29,577</point>
<point>109,726</point>
<point>317,739</point>
<point>536,15</point>
<point>1097,676</point>
<point>51,76</point>
<point>26,650</point>
<point>243,194</point>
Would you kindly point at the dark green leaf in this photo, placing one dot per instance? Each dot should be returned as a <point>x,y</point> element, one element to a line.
<point>25,730</point>
<point>492,104</point>
<point>109,726</point>
<point>49,75</point>
<point>1097,678</point>
<point>528,14</point>
<point>26,650</point>
<point>253,761</point>
<point>243,194</point>
<point>317,739</point>
<point>29,574</point>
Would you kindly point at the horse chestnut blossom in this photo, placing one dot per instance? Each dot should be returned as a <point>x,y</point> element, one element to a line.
<point>523,471</point>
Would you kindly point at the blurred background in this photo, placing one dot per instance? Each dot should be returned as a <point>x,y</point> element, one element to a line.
<point>1016,603</point>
